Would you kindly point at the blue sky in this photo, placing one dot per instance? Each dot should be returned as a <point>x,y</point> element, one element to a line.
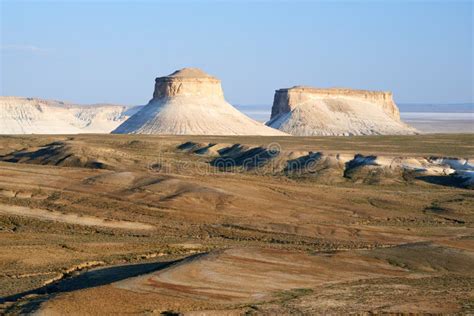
<point>111,51</point>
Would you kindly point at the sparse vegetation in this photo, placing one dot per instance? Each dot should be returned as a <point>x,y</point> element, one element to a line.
<point>195,208</point>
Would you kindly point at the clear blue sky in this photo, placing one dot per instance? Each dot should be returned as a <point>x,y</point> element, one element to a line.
<point>111,51</point>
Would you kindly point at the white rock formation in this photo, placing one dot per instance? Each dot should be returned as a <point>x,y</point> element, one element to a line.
<point>191,102</point>
<point>305,111</point>
<point>36,116</point>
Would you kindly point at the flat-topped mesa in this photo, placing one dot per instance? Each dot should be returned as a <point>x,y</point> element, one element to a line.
<point>187,82</point>
<point>287,99</point>
<point>306,111</point>
<point>190,102</point>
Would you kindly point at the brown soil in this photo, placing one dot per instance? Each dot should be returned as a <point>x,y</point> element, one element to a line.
<point>246,241</point>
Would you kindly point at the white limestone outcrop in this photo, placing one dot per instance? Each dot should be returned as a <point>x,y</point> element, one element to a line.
<point>190,102</point>
<point>306,111</point>
<point>37,116</point>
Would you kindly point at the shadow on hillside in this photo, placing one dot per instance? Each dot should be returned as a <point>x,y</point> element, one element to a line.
<point>448,181</point>
<point>89,279</point>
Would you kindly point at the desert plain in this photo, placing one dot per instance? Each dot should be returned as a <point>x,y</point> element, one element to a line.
<point>232,225</point>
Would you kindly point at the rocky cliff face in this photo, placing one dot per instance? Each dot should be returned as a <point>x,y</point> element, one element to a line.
<point>37,116</point>
<point>191,102</point>
<point>310,111</point>
<point>188,82</point>
<point>287,99</point>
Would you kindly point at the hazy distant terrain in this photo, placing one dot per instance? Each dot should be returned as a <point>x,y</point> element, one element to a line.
<point>427,118</point>
<point>437,108</point>
<point>433,122</point>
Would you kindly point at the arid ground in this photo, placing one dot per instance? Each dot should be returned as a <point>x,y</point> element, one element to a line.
<point>195,225</point>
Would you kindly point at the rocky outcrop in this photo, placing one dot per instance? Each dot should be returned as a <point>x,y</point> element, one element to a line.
<point>37,116</point>
<point>191,102</point>
<point>336,167</point>
<point>307,111</point>
<point>187,82</point>
<point>287,99</point>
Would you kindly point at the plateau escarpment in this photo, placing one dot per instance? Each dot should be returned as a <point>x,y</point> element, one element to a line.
<point>306,111</point>
<point>37,116</point>
<point>191,102</point>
